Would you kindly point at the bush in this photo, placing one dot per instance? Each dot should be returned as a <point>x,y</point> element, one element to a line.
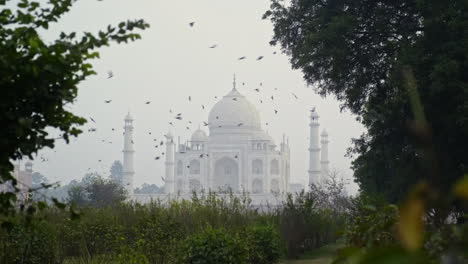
<point>28,243</point>
<point>371,223</point>
<point>306,222</point>
<point>214,246</point>
<point>159,238</point>
<point>264,244</point>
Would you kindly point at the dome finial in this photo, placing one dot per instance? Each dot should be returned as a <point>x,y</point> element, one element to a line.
<point>234,82</point>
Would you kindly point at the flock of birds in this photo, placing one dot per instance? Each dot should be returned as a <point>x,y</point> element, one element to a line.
<point>179,116</point>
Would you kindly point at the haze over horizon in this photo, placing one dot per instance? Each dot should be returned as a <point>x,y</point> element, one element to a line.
<point>173,61</point>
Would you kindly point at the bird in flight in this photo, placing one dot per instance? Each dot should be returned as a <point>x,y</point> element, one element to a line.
<point>92,119</point>
<point>276,111</point>
<point>191,24</point>
<point>259,58</point>
<point>157,158</point>
<point>178,117</point>
<point>240,124</point>
<point>203,107</point>
<point>261,84</point>
<point>201,155</point>
<point>295,95</point>
<point>257,90</point>
<point>271,97</point>
<point>205,123</point>
<point>147,102</point>
<point>213,46</point>
<point>234,99</point>
<point>190,98</point>
<point>274,52</point>
<point>107,101</point>
<point>110,74</point>
<point>241,58</point>
<point>170,123</point>
<point>92,130</point>
<point>162,143</point>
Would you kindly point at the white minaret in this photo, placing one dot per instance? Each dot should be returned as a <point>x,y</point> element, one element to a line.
<point>324,162</point>
<point>314,149</point>
<point>169,175</point>
<point>128,171</point>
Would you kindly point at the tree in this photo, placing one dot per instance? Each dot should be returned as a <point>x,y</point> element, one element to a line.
<point>149,188</point>
<point>95,191</point>
<point>116,172</point>
<point>400,67</point>
<point>39,79</point>
<point>77,196</point>
<point>38,180</point>
<point>102,192</point>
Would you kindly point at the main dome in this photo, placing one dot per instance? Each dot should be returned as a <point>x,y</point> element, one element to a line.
<point>233,111</point>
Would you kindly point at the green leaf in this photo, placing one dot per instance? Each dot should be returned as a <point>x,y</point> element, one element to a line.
<point>461,188</point>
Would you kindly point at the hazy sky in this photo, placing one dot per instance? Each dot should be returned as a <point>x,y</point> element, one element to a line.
<point>173,61</point>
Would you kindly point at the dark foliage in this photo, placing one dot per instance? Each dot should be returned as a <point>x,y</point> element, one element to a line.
<point>364,53</point>
<point>39,79</point>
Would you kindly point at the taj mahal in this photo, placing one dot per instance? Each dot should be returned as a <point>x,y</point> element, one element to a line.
<point>236,156</point>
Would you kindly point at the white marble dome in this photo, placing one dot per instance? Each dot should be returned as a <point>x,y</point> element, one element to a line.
<point>234,111</point>
<point>199,135</point>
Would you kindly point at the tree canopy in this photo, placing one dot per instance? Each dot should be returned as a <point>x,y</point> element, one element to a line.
<point>38,79</point>
<point>396,65</point>
<point>116,172</point>
<point>95,191</point>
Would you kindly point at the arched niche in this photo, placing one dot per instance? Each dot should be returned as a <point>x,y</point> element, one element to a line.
<point>257,166</point>
<point>226,174</point>
<point>194,185</point>
<point>257,186</point>
<point>179,186</point>
<point>194,167</point>
<point>274,167</point>
<point>275,186</point>
<point>180,168</point>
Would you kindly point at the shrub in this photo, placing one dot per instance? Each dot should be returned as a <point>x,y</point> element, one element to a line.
<point>371,223</point>
<point>128,255</point>
<point>159,238</point>
<point>28,243</point>
<point>214,246</point>
<point>264,244</point>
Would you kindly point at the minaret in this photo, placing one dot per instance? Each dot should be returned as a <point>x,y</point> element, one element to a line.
<point>128,171</point>
<point>314,149</point>
<point>324,162</point>
<point>169,175</point>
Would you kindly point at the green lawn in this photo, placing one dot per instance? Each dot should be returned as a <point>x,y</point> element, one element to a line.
<point>322,255</point>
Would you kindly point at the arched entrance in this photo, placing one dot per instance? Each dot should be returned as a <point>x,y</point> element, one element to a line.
<point>226,175</point>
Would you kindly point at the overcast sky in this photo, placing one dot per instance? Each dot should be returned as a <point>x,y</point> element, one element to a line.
<point>174,61</point>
